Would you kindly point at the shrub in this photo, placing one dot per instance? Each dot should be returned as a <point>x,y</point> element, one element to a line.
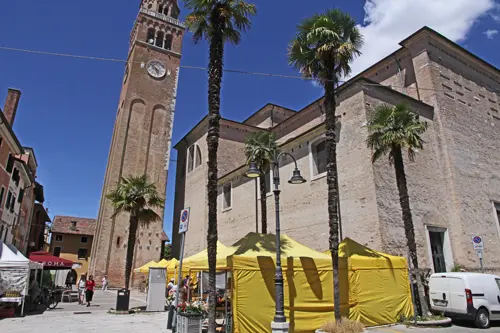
<point>343,326</point>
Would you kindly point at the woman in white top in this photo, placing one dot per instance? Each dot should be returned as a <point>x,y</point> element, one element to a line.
<point>81,288</point>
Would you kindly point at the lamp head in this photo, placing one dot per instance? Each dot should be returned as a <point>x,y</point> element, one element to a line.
<point>296,177</point>
<point>253,171</point>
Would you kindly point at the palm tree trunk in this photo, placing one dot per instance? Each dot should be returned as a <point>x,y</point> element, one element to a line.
<point>214,87</point>
<point>333,192</point>
<point>263,202</point>
<point>404,201</point>
<point>132,234</point>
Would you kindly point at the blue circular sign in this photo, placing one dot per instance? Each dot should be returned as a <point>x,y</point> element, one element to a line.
<point>477,239</point>
<point>184,216</point>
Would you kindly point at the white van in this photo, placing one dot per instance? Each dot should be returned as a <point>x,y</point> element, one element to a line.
<point>473,296</point>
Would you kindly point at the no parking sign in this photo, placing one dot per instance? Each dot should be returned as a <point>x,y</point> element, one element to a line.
<point>183,225</point>
<point>477,243</point>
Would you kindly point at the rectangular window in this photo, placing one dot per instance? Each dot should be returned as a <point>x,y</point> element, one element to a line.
<point>12,202</point>
<point>318,150</point>
<point>268,181</point>
<point>227,196</point>
<point>9,197</point>
<point>57,251</point>
<point>2,192</point>
<point>59,238</point>
<point>1,141</point>
<point>84,239</point>
<point>15,176</point>
<point>82,253</point>
<point>21,195</point>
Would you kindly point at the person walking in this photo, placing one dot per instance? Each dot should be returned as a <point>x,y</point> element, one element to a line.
<point>104,283</point>
<point>89,293</point>
<point>82,283</point>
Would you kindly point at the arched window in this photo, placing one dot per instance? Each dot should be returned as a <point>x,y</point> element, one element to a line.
<point>159,39</point>
<point>198,157</point>
<point>193,158</point>
<point>190,159</point>
<point>168,41</point>
<point>165,10</point>
<point>318,157</point>
<point>174,14</point>
<point>160,9</point>
<point>150,39</point>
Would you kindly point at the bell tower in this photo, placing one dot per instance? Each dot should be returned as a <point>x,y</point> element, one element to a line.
<point>142,135</point>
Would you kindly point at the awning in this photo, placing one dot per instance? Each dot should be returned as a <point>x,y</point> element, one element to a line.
<point>49,261</point>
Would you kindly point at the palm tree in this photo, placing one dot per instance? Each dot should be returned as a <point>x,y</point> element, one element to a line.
<point>322,50</point>
<point>391,130</point>
<point>263,158</point>
<point>137,197</point>
<point>217,21</point>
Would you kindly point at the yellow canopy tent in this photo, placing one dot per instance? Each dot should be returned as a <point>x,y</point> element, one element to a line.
<point>172,269</point>
<point>160,264</point>
<point>308,281</point>
<point>374,286</point>
<point>379,287</point>
<point>145,268</point>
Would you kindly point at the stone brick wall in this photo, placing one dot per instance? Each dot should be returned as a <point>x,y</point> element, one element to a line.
<point>140,145</point>
<point>453,183</point>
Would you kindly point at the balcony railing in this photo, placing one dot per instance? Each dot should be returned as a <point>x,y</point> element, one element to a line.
<point>163,17</point>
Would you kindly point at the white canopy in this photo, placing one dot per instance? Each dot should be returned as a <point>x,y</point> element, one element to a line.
<point>11,257</point>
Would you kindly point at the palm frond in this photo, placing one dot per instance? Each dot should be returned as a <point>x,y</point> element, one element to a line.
<point>325,45</point>
<point>233,16</point>
<point>395,127</point>
<point>258,147</point>
<point>134,194</point>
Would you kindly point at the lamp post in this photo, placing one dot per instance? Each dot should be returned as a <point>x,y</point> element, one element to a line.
<point>279,323</point>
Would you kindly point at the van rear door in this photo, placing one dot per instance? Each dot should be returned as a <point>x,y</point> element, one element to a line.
<point>458,298</point>
<point>439,293</point>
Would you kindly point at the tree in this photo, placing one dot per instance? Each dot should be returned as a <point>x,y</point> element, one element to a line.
<point>322,50</point>
<point>167,252</point>
<point>134,195</point>
<point>263,158</point>
<point>217,21</point>
<point>391,130</point>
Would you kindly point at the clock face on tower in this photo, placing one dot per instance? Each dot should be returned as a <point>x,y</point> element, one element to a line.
<point>156,69</point>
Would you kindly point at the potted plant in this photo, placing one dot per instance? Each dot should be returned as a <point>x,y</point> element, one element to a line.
<point>190,317</point>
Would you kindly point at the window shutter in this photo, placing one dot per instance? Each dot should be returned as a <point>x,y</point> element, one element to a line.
<point>21,195</point>
<point>10,163</point>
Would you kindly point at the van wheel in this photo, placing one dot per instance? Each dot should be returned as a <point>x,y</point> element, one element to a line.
<point>482,318</point>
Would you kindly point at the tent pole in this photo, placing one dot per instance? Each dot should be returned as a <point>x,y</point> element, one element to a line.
<point>225,297</point>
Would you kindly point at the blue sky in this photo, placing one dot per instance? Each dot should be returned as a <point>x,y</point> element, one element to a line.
<point>68,106</point>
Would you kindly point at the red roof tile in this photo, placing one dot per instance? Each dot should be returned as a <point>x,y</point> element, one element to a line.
<point>65,225</point>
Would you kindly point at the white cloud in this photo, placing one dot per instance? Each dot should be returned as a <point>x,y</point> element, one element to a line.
<point>490,33</point>
<point>387,22</point>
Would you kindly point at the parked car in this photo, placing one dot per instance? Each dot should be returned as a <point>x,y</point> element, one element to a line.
<point>471,296</point>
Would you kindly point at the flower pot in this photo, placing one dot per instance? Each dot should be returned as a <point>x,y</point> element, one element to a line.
<point>189,323</point>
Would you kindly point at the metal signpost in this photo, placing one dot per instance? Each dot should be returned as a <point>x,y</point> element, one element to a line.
<point>183,228</point>
<point>478,245</point>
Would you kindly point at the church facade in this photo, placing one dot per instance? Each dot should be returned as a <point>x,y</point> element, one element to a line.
<point>142,133</point>
<point>454,183</point>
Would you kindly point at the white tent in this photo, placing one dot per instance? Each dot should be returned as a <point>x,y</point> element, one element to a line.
<point>14,273</point>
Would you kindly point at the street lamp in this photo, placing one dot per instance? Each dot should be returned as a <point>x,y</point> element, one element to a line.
<point>279,323</point>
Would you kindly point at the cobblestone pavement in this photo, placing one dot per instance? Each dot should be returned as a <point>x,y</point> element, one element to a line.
<point>456,328</point>
<point>74,318</point>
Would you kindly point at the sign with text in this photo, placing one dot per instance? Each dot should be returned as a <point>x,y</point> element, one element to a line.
<point>477,243</point>
<point>184,222</point>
